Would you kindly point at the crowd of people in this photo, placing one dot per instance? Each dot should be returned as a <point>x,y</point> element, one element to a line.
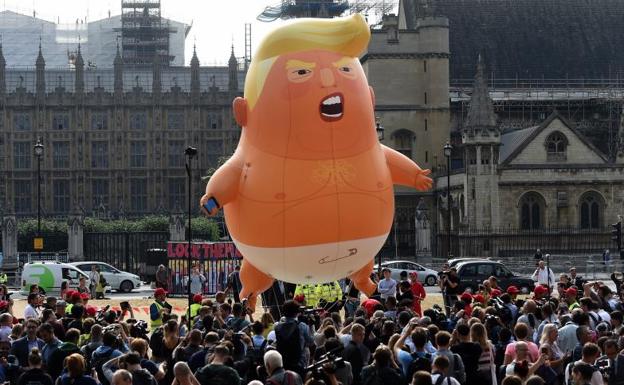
<point>568,333</point>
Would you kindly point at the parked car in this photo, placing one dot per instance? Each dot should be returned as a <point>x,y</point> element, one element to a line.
<point>117,279</point>
<point>455,261</point>
<point>472,273</point>
<point>428,276</point>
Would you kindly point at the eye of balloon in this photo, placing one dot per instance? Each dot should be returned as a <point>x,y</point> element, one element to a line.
<point>303,72</point>
<point>345,69</point>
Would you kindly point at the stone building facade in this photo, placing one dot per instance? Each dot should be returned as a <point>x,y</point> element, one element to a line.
<point>114,138</point>
<point>534,180</point>
<point>408,68</point>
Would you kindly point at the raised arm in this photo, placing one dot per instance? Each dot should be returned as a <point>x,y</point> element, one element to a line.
<point>223,185</point>
<point>405,172</point>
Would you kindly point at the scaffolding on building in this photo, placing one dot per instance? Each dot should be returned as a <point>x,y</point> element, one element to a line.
<point>144,33</point>
<point>595,105</point>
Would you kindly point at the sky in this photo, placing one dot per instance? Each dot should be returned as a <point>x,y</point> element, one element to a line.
<point>216,24</point>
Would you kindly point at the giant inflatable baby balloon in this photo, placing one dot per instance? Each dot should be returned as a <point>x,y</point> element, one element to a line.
<point>308,194</point>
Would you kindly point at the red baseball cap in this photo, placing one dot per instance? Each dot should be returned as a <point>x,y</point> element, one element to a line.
<point>466,297</point>
<point>75,296</point>
<point>299,298</point>
<point>571,292</point>
<point>69,293</point>
<point>197,298</point>
<point>91,311</point>
<point>512,290</point>
<point>539,290</point>
<point>160,291</point>
<point>85,296</point>
<point>495,293</point>
<point>479,298</point>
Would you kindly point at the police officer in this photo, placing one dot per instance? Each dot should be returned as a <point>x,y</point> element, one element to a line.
<point>309,293</point>
<point>329,295</point>
<point>158,308</point>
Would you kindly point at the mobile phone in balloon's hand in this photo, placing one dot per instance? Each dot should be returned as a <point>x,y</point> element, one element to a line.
<point>211,204</point>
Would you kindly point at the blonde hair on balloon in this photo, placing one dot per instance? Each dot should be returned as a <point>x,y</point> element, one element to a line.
<point>347,35</point>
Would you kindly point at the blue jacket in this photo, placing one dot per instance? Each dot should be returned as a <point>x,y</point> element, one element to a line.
<point>19,348</point>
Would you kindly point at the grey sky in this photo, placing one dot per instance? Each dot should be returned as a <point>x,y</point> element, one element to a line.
<point>216,23</point>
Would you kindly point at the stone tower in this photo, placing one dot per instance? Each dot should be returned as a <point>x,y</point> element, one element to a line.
<point>479,205</point>
<point>407,64</point>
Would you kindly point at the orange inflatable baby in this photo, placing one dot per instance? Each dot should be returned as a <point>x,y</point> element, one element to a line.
<point>308,194</point>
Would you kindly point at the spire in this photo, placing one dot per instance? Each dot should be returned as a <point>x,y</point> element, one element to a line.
<point>79,66</point>
<point>117,59</point>
<point>194,75</point>
<point>79,61</point>
<point>481,112</point>
<point>118,74</point>
<point>194,59</point>
<point>233,72</point>
<point>40,75</point>
<point>2,61</point>
<point>2,72</point>
<point>40,61</point>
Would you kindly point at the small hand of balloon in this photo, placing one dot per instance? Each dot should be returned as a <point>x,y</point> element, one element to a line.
<point>209,206</point>
<point>423,182</point>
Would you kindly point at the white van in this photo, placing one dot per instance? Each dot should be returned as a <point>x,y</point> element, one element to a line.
<point>49,275</point>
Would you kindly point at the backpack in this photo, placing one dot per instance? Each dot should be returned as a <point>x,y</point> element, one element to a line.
<point>419,362</point>
<point>288,340</point>
<point>156,342</point>
<point>97,364</point>
<point>289,378</point>
<point>257,352</point>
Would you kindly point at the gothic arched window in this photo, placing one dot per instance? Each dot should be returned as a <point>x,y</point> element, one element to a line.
<point>556,144</point>
<point>531,211</point>
<point>590,208</point>
<point>403,141</point>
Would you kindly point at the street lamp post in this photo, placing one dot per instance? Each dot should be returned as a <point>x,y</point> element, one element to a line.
<point>190,153</point>
<point>38,150</point>
<point>380,135</point>
<point>447,152</point>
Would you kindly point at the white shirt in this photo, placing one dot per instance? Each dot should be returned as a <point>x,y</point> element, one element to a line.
<point>30,312</point>
<point>541,276</point>
<point>447,380</point>
<point>596,377</point>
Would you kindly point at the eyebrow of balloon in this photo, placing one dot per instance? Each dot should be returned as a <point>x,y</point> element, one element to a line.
<point>299,64</point>
<point>342,62</point>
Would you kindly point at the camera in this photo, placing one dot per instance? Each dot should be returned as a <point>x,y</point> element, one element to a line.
<point>139,330</point>
<point>309,316</point>
<point>328,363</point>
<point>125,305</point>
<point>603,364</point>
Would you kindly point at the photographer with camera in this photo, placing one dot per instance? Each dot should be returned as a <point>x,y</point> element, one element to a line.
<point>591,352</point>
<point>449,284</point>
<point>293,338</point>
<point>615,367</point>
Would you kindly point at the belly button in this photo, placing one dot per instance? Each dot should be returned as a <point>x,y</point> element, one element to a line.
<point>280,196</point>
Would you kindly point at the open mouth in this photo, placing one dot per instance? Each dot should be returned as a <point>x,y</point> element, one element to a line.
<point>331,107</point>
